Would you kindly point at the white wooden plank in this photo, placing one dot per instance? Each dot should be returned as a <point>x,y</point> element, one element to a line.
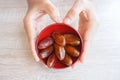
<point>102,61</point>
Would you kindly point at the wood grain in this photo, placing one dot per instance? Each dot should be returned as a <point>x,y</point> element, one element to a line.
<point>102,60</point>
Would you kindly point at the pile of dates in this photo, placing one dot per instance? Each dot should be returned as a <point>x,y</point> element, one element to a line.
<point>59,46</point>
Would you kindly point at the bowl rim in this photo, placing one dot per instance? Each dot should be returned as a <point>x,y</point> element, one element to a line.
<point>50,25</point>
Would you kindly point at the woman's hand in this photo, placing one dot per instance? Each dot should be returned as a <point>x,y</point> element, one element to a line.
<point>87,24</point>
<point>34,20</point>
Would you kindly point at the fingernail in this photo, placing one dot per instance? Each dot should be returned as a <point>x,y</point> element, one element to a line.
<point>85,15</point>
<point>67,21</point>
<point>58,19</point>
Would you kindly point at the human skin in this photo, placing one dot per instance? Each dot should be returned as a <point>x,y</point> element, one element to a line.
<point>35,14</point>
<point>87,23</point>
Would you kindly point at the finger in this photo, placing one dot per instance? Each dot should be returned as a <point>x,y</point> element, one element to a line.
<point>32,44</point>
<point>83,52</point>
<point>87,28</point>
<point>73,12</point>
<point>83,32</point>
<point>84,24</point>
<point>89,14</point>
<point>29,27</point>
<point>88,24</point>
<point>83,16</point>
<point>53,12</point>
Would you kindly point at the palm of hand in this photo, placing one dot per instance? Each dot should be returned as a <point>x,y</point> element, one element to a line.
<point>35,21</point>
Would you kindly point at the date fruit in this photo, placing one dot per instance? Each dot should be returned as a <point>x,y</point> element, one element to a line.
<point>72,51</point>
<point>59,51</point>
<point>61,48</point>
<point>67,60</point>
<point>51,60</point>
<point>72,39</point>
<point>46,52</point>
<point>59,38</point>
<point>45,43</point>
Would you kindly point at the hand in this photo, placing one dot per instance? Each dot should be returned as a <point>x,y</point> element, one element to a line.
<point>87,21</point>
<point>34,20</point>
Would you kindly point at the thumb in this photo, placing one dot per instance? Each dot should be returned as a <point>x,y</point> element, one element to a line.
<point>53,12</point>
<point>73,12</point>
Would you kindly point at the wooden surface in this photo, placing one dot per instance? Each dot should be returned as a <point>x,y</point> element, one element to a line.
<point>102,61</point>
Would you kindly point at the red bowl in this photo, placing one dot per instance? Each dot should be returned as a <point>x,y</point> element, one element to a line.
<point>61,28</point>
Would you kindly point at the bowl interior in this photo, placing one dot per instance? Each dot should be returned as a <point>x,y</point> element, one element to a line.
<point>63,29</point>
